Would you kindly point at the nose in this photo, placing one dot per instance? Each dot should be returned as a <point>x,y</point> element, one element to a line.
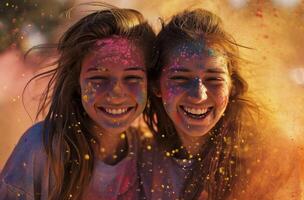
<point>116,92</point>
<point>198,91</point>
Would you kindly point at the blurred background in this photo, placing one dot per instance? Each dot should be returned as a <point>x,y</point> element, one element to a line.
<point>273,28</point>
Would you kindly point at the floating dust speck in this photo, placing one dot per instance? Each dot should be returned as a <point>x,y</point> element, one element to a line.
<point>122,136</point>
<point>86,157</point>
<point>85,98</point>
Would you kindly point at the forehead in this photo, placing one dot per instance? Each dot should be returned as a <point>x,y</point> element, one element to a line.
<point>114,50</point>
<point>196,48</point>
<point>196,53</point>
<point>115,45</point>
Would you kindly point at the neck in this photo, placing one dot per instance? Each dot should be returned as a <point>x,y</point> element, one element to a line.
<point>112,148</point>
<point>192,144</point>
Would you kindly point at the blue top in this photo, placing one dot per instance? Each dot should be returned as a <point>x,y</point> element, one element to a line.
<point>27,176</point>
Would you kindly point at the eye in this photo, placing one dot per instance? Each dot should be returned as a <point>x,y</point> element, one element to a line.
<point>134,79</point>
<point>98,78</point>
<point>215,80</point>
<point>179,79</point>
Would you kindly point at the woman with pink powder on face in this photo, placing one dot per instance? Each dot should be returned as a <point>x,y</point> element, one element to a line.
<point>207,143</point>
<point>85,148</point>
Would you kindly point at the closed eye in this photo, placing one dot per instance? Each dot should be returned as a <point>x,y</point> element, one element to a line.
<point>98,78</point>
<point>134,79</point>
<point>179,79</point>
<point>215,80</point>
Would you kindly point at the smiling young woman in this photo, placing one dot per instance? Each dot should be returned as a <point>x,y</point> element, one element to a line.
<point>207,142</point>
<point>85,147</point>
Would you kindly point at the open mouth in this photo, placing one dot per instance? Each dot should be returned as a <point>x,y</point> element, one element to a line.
<point>116,112</point>
<point>196,113</point>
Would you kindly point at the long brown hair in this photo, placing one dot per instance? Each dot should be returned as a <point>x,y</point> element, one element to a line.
<point>220,164</point>
<point>67,139</point>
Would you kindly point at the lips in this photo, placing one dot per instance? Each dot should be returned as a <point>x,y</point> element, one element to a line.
<point>117,111</point>
<point>196,113</point>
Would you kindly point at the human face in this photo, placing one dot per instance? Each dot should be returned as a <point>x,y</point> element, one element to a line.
<point>195,87</point>
<point>114,84</point>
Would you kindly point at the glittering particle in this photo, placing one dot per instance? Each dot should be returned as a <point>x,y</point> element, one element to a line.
<point>115,156</point>
<point>168,154</point>
<point>102,69</point>
<point>211,52</point>
<point>85,98</point>
<point>122,136</point>
<point>221,170</point>
<point>102,150</point>
<point>86,157</point>
<point>149,147</point>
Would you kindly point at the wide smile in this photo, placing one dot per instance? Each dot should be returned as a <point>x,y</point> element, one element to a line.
<point>117,112</point>
<point>196,113</point>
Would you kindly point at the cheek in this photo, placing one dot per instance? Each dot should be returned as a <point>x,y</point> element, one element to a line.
<point>171,93</point>
<point>222,97</point>
<point>139,92</point>
<point>90,91</point>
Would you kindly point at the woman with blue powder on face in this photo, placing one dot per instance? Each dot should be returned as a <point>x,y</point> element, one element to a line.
<point>207,143</point>
<point>85,148</point>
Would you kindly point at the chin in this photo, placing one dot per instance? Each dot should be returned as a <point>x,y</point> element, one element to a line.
<point>117,130</point>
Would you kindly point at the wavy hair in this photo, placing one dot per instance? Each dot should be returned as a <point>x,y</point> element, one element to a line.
<point>221,165</point>
<point>67,137</point>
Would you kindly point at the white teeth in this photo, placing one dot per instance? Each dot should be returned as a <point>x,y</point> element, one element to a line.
<point>116,111</point>
<point>196,111</point>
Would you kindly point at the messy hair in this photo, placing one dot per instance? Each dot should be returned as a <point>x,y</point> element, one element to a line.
<point>67,136</point>
<point>220,166</point>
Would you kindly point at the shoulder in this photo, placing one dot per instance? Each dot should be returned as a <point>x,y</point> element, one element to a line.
<point>33,137</point>
<point>31,142</point>
<point>25,162</point>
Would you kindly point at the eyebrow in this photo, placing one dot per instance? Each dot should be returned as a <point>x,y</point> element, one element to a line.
<point>208,70</point>
<point>215,70</point>
<point>96,69</point>
<point>179,70</point>
<point>127,69</point>
<point>135,68</point>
